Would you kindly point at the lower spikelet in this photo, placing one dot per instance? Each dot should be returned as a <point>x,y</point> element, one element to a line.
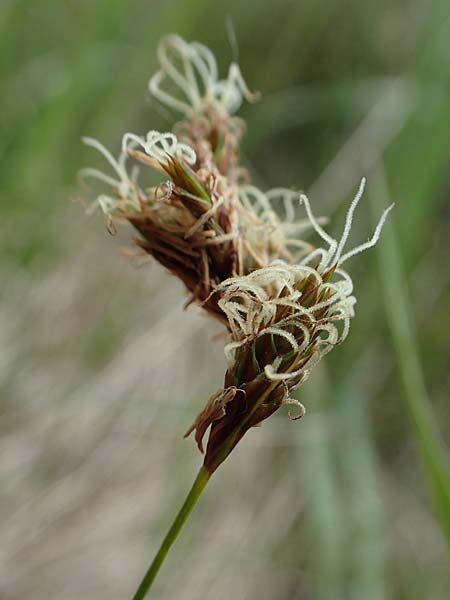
<point>283,319</point>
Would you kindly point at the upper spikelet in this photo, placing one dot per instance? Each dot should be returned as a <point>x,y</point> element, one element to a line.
<point>205,222</point>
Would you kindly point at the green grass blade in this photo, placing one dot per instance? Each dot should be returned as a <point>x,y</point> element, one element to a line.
<point>401,324</point>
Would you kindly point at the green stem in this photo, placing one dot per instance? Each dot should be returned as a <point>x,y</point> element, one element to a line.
<point>191,499</point>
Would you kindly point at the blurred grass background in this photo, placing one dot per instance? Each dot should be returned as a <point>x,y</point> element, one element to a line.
<point>101,371</point>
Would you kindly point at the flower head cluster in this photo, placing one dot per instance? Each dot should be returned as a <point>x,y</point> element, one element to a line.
<point>285,302</point>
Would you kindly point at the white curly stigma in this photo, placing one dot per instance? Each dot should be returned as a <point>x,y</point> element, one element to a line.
<point>275,208</point>
<point>191,71</point>
<point>251,304</point>
<point>334,254</point>
<point>124,184</point>
<point>160,146</point>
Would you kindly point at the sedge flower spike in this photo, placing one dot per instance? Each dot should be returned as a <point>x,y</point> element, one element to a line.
<point>285,303</point>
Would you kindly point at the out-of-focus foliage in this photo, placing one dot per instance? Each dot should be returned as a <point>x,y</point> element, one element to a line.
<point>101,371</point>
